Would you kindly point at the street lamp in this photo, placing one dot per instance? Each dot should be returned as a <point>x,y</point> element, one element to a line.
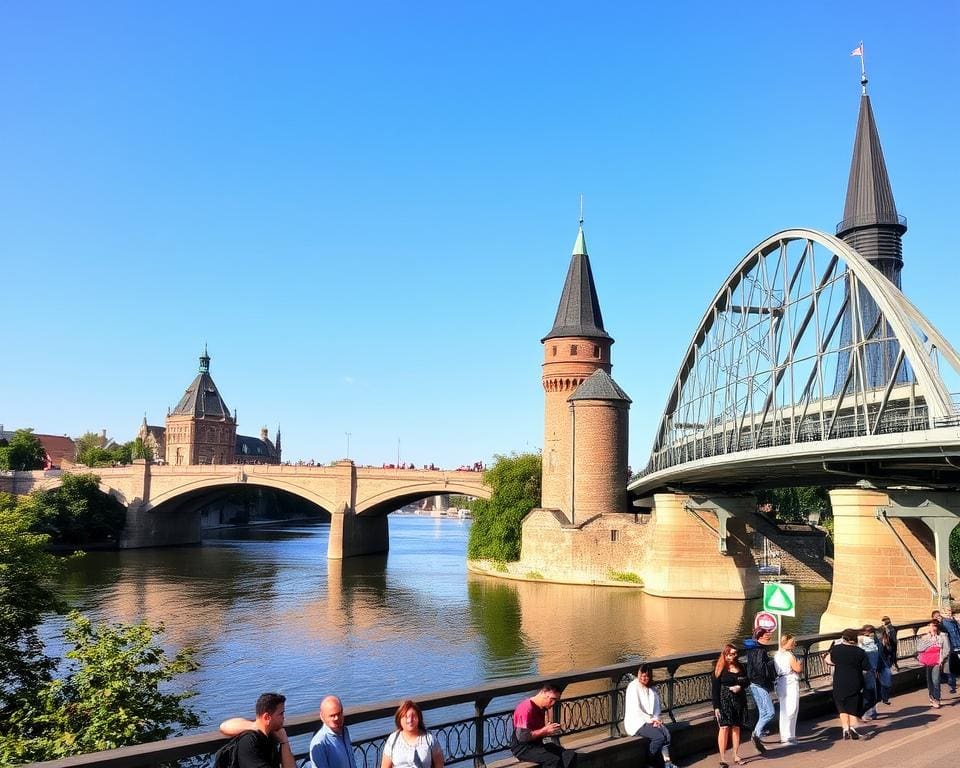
<point>348,443</point>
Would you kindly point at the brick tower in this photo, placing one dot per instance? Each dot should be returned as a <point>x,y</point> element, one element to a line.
<point>200,430</point>
<point>585,427</point>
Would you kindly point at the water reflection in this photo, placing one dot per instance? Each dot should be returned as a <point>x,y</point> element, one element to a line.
<point>267,610</point>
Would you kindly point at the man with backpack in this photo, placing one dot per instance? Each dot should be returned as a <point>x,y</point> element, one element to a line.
<point>261,743</point>
<point>762,674</point>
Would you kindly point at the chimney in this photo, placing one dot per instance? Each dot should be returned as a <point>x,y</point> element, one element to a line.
<point>103,438</point>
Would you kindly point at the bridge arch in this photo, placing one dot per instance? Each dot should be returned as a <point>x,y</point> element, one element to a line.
<point>805,341</point>
<point>198,486</point>
<point>387,501</point>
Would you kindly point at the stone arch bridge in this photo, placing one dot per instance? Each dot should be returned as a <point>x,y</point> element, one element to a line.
<point>163,502</point>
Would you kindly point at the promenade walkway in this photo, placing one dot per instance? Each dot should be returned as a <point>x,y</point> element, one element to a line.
<point>906,734</point>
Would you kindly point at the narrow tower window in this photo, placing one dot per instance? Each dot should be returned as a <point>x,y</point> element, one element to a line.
<point>596,350</point>
<point>554,350</point>
<point>573,349</point>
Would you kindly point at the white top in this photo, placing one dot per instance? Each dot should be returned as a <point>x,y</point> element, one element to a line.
<point>403,755</point>
<point>641,706</point>
<point>781,660</point>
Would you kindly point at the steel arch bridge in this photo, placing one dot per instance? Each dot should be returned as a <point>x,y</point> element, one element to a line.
<point>808,367</point>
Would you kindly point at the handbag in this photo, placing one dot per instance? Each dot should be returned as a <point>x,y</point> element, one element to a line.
<point>929,657</point>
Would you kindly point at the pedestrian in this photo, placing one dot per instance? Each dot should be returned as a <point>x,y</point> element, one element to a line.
<point>263,742</point>
<point>871,680</point>
<point>411,745</point>
<point>950,627</point>
<point>532,724</point>
<point>641,717</point>
<point>730,683</point>
<point>888,660</point>
<point>891,631</point>
<point>762,674</point>
<point>932,652</point>
<point>849,666</point>
<point>331,747</point>
<point>788,687</point>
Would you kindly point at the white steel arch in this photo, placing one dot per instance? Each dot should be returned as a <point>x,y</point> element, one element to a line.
<point>805,341</point>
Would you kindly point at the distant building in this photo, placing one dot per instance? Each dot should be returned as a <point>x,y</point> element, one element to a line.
<point>201,430</point>
<point>57,448</point>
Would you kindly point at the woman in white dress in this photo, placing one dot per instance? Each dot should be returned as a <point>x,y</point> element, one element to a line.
<point>411,745</point>
<point>788,688</point>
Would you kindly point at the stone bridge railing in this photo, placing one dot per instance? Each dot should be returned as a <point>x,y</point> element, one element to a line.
<point>473,724</point>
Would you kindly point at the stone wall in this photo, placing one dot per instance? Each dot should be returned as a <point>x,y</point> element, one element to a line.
<point>600,549</point>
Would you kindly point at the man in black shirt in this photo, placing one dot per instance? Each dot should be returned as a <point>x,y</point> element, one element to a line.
<point>266,745</point>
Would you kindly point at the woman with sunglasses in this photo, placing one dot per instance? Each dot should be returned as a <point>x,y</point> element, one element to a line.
<point>729,701</point>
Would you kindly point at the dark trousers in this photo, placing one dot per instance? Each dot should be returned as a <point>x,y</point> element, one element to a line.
<point>548,754</point>
<point>658,738</point>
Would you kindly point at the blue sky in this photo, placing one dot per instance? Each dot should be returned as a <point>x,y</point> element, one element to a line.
<point>367,209</point>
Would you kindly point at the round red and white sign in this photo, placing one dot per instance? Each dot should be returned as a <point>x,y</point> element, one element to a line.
<point>764,620</point>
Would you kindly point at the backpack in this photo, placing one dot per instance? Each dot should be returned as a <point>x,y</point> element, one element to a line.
<point>227,755</point>
<point>760,666</point>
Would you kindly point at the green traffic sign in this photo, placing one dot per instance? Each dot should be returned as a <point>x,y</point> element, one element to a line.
<point>780,598</point>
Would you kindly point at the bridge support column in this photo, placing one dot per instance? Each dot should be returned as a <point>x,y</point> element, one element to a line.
<point>352,535</point>
<point>701,549</point>
<point>891,555</point>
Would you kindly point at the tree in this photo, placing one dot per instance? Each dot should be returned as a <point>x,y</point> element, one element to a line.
<point>140,450</point>
<point>27,573</point>
<point>108,691</point>
<point>515,484</point>
<point>110,696</point>
<point>92,453</point>
<point>78,512</point>
<point>23,452</point>
<point>792,505</point>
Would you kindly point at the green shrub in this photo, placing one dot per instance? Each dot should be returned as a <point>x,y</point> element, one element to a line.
<point>626,576</point>
<point>515,484</point>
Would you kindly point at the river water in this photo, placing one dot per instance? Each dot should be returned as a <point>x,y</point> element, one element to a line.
<point>266,610</point>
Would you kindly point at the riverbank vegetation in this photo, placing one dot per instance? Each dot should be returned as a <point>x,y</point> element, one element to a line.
<point>104,693</point>
<point>76,512</point>
<point>515,484</point>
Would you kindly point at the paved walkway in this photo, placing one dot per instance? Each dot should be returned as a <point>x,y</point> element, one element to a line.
<point>907,734</point>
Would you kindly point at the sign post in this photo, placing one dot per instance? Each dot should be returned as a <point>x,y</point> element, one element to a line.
<point>779,599</point>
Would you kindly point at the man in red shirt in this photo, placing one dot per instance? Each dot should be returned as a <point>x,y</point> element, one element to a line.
<point>531,725</point>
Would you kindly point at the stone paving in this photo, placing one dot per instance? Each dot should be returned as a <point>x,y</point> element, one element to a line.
<point>907,734</point>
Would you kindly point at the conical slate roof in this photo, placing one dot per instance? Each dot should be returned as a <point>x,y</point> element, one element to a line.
<point>599,385</point>
<point>579,310</point>
<point>202,399</point>
<point>869,195</point>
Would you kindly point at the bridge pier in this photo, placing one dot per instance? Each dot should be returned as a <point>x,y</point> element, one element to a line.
<point>891,555</point>
<point>352,535</point>
<point>700,548</point>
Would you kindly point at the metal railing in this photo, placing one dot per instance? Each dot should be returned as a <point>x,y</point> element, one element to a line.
<point>871,219</point>
<point>474,723</point>
<point>708,443</point>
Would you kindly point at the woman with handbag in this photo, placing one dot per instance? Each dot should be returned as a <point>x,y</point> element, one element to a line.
<point>932,650</point>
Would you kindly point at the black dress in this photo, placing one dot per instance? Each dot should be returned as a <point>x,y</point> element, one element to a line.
<point>849,665</point>
<point>732,705</point>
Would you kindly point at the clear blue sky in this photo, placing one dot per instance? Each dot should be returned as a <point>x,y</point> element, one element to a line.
<point>367,209</point>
